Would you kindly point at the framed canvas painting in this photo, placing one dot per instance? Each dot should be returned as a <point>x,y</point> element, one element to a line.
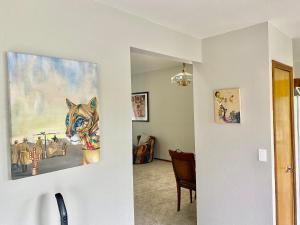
<point>54,114</point>
<point>140,106</point>
<point>227,105</point>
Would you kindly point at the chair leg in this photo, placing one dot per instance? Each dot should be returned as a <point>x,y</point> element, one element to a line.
<point>195,195</point>
<point>191,196</point>
<point>178,198</point>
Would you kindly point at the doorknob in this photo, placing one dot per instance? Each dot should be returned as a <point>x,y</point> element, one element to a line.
<point>289,169</point>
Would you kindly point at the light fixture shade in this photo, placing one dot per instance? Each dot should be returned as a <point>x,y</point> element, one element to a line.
<point>182,79</point>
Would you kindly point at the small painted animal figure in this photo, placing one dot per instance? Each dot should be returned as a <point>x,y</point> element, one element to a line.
<point>82,125</point>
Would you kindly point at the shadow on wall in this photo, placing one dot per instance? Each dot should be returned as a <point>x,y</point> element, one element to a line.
<point>47,210</point>
<point>156,147</point>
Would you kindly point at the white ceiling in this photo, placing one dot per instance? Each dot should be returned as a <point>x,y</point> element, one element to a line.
<point>204,18</point>
<point>146,62</point>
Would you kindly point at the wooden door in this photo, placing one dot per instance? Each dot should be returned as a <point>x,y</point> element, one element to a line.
<point>284,144</point>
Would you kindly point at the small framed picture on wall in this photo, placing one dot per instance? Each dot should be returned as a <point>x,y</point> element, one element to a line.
<point>140,106</point>
<point>227,106</point>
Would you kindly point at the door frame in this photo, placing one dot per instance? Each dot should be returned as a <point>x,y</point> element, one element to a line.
<point>278,65</point>
<point>178,59</point>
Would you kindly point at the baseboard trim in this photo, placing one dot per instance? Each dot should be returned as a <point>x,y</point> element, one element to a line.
<point>165,160</point>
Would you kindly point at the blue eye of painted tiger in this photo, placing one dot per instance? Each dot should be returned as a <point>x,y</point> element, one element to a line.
<point>79,122</point>
<point>67,120</point>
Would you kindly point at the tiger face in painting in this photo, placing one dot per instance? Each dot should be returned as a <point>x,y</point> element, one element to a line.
<point>82,125</point>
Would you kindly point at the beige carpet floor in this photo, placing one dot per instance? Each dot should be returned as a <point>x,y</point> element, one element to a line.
<point>155,198</point>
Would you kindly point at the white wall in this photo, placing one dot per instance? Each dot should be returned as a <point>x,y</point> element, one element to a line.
<point>101,193</point>
<point>171,111</point>
<point>296,54</point>
<point>280,46</point>
<point>233,187</point>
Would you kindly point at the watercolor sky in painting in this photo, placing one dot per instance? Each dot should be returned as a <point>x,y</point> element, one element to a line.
<point>39,86</point>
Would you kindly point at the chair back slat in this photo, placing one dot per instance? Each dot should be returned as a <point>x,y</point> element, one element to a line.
<point>184,166</point>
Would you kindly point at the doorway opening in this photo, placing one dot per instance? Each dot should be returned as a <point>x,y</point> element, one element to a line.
<point>162,120</point>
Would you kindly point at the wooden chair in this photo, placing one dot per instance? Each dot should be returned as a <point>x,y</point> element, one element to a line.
<point>185,173</point>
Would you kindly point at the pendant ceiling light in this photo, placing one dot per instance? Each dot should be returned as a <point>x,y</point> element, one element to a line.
<point>182,79</point>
